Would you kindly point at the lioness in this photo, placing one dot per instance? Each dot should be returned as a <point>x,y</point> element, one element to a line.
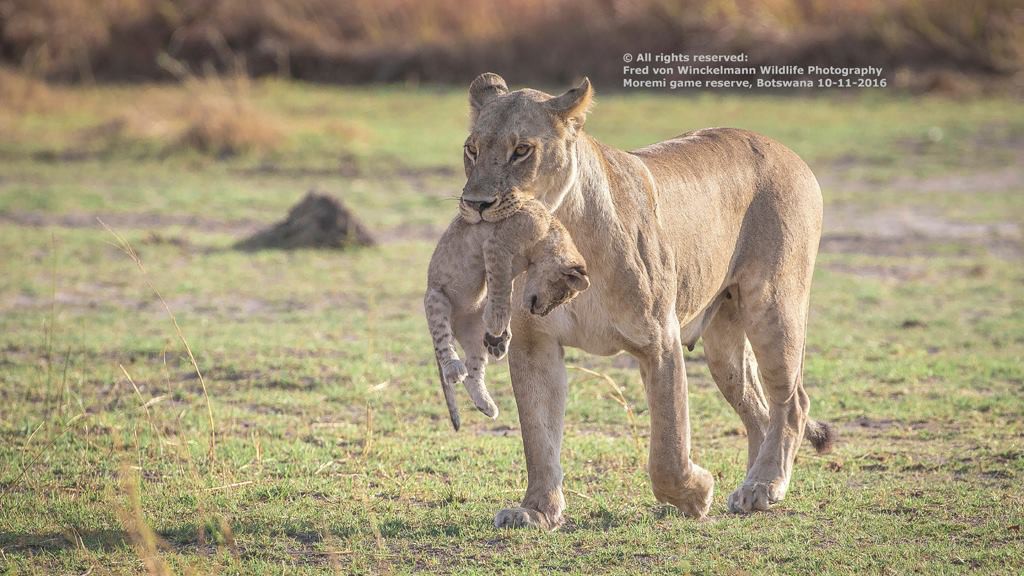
<point>711,235</point>
<point>467,256</point>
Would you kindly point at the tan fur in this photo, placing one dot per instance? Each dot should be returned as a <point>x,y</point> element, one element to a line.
<point>473,256</point>
<point>711,234</point>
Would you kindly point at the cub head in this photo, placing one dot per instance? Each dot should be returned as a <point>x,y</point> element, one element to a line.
<point>551,282</point>
<point>521,144</point>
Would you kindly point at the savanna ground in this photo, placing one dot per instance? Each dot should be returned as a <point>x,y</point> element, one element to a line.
<point>331,448</point>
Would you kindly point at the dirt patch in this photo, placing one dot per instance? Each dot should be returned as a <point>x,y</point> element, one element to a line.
<point>501,430</point>
<point>1001,179</point>
<point>908,222</point>
<point>881,271</point>
<point>1009,179</point>
<point>143,220</point>
<point>318,221</point>
<point>905,231</point>
<point>94,296</point>
<point>153,221</point>
<point>876,423</point>
<point>990,161</point>
<point>350,166</point>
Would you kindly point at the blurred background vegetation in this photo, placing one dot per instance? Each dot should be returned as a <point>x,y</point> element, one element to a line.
<point>923,44</point>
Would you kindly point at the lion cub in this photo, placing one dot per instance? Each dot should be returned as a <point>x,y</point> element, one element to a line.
<point>469,291</point>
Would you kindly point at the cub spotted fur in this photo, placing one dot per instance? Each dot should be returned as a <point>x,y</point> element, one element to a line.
<point>469,290</point>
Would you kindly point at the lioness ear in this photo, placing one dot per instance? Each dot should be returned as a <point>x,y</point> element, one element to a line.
<point>486,86</point>
<point>576,277</point>
<point>574,105</point>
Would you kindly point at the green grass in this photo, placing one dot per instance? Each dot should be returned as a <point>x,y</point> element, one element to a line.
<point>333,451</point>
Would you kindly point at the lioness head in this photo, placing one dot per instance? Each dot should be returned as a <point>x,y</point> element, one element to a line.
<point>556,278</point>
<point>520,145</point>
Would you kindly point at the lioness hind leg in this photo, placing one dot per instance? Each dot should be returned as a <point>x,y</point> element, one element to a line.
<point>776,329</point>
<point>734,369</point>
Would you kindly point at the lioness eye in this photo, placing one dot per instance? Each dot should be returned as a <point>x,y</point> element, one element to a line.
<point>521,150</point>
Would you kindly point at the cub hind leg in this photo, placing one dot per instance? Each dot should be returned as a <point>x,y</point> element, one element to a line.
<point>469,330</point>
<point>450,368</point>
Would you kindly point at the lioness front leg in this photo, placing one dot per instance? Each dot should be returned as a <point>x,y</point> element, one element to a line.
<point>675,479</point>
<point>538,375</point>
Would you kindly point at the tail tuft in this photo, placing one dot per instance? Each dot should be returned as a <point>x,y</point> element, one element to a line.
<point>822,436</point>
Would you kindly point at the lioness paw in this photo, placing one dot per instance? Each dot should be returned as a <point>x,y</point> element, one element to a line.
<point>524,518</point>
<point>692,494</point>
<point>497,346</point>
<point>753,497</point>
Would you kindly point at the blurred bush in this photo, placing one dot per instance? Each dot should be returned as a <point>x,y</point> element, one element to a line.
<point>530,40</point>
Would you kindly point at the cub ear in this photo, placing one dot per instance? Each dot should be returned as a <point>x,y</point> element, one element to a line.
<point>574,105</point>
<point>486,86</point>
<point>576,277</point>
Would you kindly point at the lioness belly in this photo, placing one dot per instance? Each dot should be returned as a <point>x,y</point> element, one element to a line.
<point>584,323</point>
<point>717,182</point>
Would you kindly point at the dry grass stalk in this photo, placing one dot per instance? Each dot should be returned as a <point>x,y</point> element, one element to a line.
<point>126,247</point>
<point>368,441</point>
<point>140,534</point>
<point>146,404</point>
<point>620,399</point>
<point>230,486</point>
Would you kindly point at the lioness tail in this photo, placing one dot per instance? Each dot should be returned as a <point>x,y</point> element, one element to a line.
<point>821,434</point>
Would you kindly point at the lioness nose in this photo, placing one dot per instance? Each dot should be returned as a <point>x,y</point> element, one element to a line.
<point>479,206</point>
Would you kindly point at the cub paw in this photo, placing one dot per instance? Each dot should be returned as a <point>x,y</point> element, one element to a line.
<point>497,346</point>
<point>454,372</point>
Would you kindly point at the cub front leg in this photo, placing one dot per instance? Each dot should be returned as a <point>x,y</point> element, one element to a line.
<point>498,261</point>
<point>497,346</point>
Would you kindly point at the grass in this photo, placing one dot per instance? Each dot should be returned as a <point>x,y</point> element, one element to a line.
<point>333,451</point>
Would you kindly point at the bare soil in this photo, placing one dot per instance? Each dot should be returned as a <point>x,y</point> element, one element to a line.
<point>904,231</point>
